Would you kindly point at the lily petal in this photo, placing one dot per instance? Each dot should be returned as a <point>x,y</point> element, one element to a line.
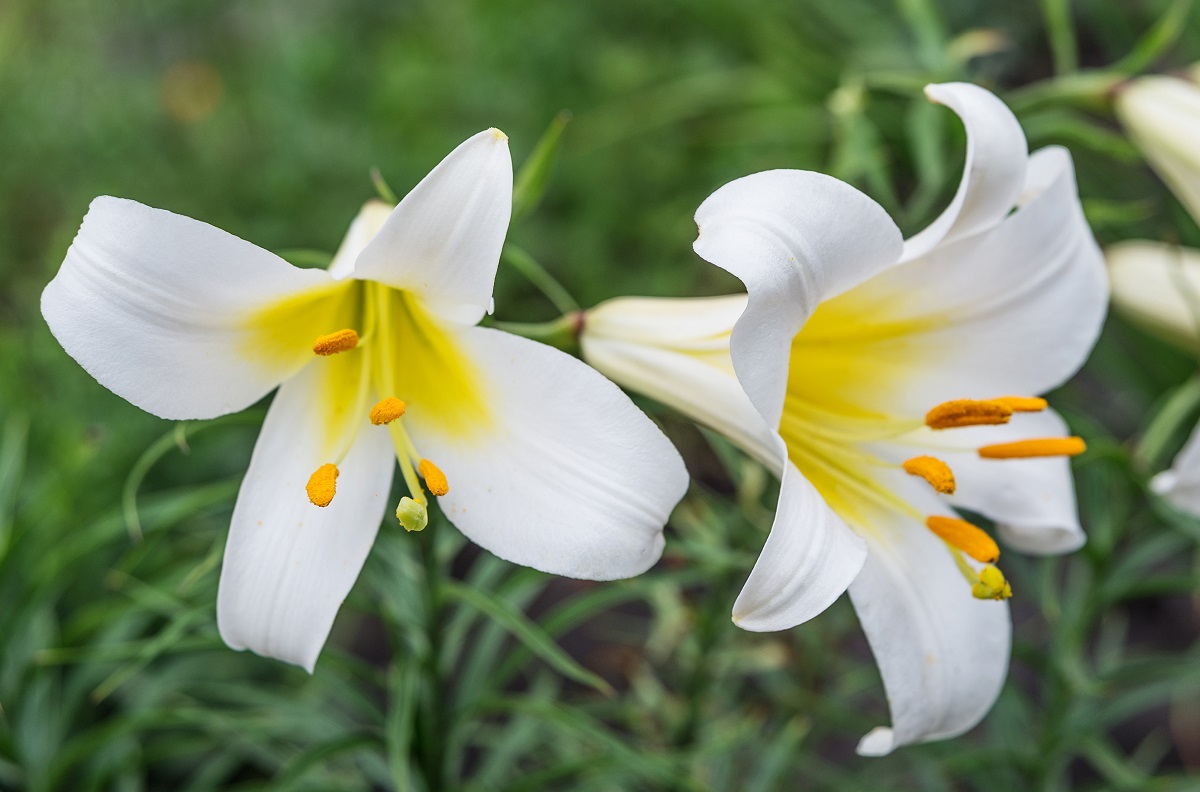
<point>1157,286</point>
<point>1181,484</point>
<point>808,561</point>
<point>943,655</point>
<point>571,479</point>
<point>1162,115</point>
<point>289,564</point>
<point>1020,319</point>
<point>794,238</point>
<point>363,228</point>
<point>443,240</point>
<point>994,171</point>
<point>154,305</point>
<point>676,351</point>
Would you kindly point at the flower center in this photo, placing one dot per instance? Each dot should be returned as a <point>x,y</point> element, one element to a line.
<point>397,347</point>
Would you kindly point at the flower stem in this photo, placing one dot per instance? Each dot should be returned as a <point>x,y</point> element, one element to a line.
<point>561,333</point>
<point>540,277</point>
<point>434,733</point>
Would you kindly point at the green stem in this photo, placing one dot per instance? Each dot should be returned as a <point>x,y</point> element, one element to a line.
<point>540,277</point>
<point>434,732</point>
<point>561,333</point>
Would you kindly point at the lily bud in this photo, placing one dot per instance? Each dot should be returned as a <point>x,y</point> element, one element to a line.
<point>1157,286</point>
<point>1162,115</point>
<point>676,351</point>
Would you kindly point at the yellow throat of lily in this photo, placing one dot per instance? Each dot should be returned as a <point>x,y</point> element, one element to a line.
<point>374,339</point>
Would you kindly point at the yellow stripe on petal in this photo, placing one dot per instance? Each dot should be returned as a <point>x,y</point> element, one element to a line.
<point>285,334</point>
<point>414,355</point>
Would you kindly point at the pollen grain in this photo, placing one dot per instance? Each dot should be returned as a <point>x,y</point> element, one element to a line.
<point>388,410</point>
<point>322,485</point>
<point>332,343</point>
<point>933,470</point>
<point>1041,447</point>
<point>435,479</point>
<point>968,412</point>
<point>971,539</point>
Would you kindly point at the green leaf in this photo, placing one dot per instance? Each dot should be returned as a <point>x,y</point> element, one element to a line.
<point>528,633</point>
<point>534,175</point>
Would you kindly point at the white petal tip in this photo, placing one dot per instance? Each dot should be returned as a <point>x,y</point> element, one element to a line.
<point>880,741</point>
<point>497,134</point>
<point>1164,482</point>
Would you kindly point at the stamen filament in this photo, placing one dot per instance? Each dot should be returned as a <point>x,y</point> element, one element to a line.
<point>971,539</point>
<point>968,412</point>
<point>933,470</point>
<point>1041,447</point>
<point>332,343</point>
<point>400,440</point>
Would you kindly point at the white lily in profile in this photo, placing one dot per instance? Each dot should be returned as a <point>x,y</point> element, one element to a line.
<point>889,383</point>
<point>533,455</point>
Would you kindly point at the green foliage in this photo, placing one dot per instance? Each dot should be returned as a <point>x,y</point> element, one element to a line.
<point>450,669</point>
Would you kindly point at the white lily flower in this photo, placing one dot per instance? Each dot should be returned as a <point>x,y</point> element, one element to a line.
<point>539,459</point>
<point>1162,115</point>
<point>883,376</point>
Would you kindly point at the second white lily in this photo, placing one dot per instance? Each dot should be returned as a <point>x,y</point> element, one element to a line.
<point>888,382</point>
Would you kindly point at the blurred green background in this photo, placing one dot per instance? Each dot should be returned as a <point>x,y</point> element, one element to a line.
<point>265,119</point>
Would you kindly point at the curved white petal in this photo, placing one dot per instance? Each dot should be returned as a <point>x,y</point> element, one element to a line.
<point>942,653</point>
<point>289,564</point>
<point>1032,501</point>
<point>1181,484</point>
<point>809,559</point>
<point>794,238</point>
<point>1013,311</point>
<point>994,171</point>
<point>1162,115</point>
<point>570,478</point>
<point>676,351</point>
<point>1157,286</point>
<point>363,228</point>
<point>443,240</point>
<point>154,306</point>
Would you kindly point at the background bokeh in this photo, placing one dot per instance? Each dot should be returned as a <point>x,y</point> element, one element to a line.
<point>266,118</point>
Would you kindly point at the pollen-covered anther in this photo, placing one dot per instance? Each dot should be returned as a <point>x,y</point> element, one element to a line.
<point>968,412</point>
<point>933,470</point>
<point>971,539</point>
<point>332,343</point>
<point>388,410</point>
<point>435,479</point>
<point>1022,403</point>
<point>1041,447</point>
<point>991,585</point>
<point>322,485</point>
